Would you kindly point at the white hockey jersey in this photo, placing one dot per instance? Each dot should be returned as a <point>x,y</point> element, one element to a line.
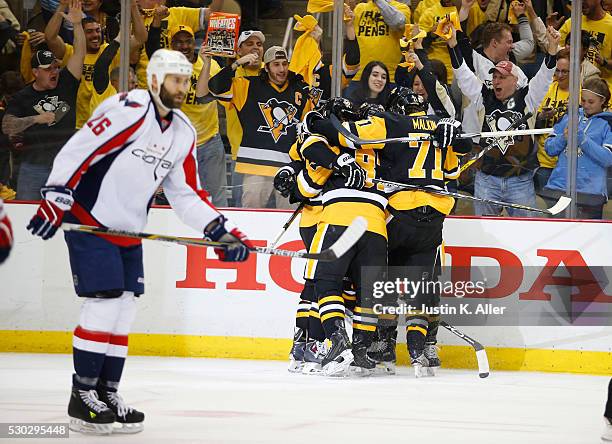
<point>118,160</point>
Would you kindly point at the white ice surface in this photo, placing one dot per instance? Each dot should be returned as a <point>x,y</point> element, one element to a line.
<point>234,401</point>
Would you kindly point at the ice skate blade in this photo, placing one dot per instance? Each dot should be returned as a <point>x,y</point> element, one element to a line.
<point>88,428</point>
<point>360,372</point>
<point>311,368</point>
<point>128,427</point>
<point>421,372</point>
<point>385,368</point>
<point>295,366</point>
<point>339,367</point>
<point>607,433</point>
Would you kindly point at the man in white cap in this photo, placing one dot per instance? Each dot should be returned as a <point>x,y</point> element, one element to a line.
<point>269,107</point>
<point>249,42</point>
<point>506,172</point>
<point>106,176</point>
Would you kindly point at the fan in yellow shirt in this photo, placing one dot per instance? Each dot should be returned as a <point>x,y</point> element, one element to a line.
<point>112,88</point>
<point>94,48</point>
<point>194,18</point>
<point>598,24</point>
<point>379,24</point>
<point>202,113</point>
<point>552,108</point>
<point>428,22</point>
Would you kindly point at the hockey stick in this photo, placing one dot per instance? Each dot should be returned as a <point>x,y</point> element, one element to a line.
<point>358,140</point>
<point>293,216</point>
<point>481,354</point>
<point>561,204</point>
<point>350,236</point>
<point>492,145</point>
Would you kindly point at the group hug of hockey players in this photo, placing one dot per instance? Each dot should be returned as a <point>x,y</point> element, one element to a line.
<point>337,180</point>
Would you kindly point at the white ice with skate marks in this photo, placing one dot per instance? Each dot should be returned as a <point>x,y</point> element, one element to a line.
<point>232,401</point>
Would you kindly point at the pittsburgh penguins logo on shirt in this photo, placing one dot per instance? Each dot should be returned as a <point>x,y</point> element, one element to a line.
<point>501,121</point>
<point>278,116</point>
<point>53,104</point>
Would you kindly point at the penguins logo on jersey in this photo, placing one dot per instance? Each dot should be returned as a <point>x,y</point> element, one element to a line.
<point>501,121</point>
<point>278,116</point>
<point>315,95</point>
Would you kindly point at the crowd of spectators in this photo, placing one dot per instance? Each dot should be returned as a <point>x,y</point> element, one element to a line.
<point>488,63</point>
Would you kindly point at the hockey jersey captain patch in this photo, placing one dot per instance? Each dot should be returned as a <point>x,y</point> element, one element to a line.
<point>279,116</point>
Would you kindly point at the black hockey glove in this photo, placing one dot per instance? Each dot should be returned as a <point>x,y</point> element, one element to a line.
<point>355,175</point>
<point>284,180</point>
<point>446,132</point>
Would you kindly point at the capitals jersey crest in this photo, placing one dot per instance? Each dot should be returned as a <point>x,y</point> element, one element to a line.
<point>278,116</point>
<point>501,121</point>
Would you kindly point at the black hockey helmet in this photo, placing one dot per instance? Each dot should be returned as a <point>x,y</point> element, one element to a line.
<point>339,106</point>
<point>370,109</point>
<point>405,101</point>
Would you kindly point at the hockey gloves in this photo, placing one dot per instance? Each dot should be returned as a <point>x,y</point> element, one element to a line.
<point>56,201</point>
<point>284,180</point>
<point>446,132</point>
<point>238,245</point>
<point>355,175</point>
<point>6,235</point>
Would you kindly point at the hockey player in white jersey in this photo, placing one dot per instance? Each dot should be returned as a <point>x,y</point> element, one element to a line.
<point>106,175</point>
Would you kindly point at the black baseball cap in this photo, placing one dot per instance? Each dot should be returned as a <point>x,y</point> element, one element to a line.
<point>43,59</point>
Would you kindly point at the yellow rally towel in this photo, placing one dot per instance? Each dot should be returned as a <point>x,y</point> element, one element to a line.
<point>306,53</point>
<point>25,64</point>
<point>7,193</point>
<point>406,42</point>
<point>315,6</point>
<point>320,6</point>
<point>512,19</point>
<point>452,18</point>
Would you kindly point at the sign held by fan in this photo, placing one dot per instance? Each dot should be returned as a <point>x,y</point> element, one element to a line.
<point>222,34</point>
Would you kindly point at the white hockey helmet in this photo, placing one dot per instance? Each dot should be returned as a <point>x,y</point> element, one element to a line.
<point>164,62</point>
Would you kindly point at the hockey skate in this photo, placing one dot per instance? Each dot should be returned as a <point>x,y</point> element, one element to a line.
<point>296,355</point>
<point>88,414</point>
<point>362,365</point>
<point>339,357</point>
<point>420,364</point>
<point>383,351</point>
<point>431,353</point>
<point>607,433</point>
<point>127,419</point>
<point>313,356</point>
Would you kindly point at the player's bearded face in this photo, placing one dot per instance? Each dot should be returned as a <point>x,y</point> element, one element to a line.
<point>174,90</point>
<point>278,70</point>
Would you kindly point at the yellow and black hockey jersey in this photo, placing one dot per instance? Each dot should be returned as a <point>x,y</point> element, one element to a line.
<point>415,163</point>
<point>313,175</point>
<point>268,115</point>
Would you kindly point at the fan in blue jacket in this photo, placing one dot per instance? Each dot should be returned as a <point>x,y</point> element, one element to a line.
<point>594,157</point>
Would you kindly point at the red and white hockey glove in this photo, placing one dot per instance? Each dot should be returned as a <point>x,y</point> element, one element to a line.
<point>6,234</point>
<point>239,246</point>
<point>56,201</point>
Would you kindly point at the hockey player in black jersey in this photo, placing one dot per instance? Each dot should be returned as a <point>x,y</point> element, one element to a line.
<point>415,230</point>
<point>303,180</point>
